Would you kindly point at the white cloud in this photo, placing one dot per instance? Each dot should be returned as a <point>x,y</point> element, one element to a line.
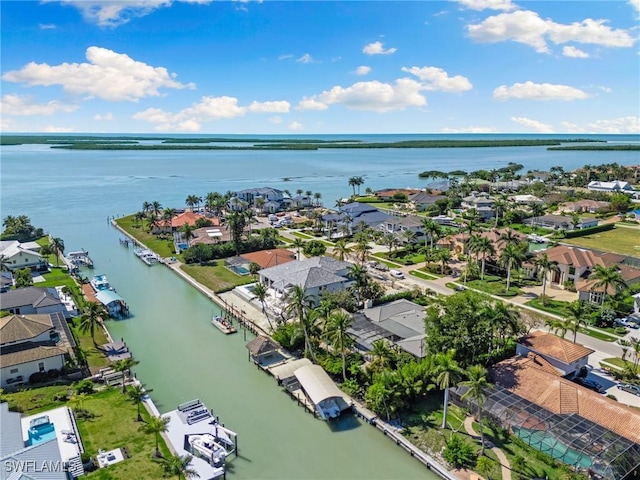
<point>208,109</point>
<point>538,91</point>
<point>574,52</point>
<point>109,13</point>
<point>435,78</point>
<point>572,127</point>
<point>106,117</point>
<point>54,129</point>
<point>108,75</point>
<point>630,124</point>
<point>469,130</point>
<point>375,96</point>
<point>635,4</point>
<point>377,48</point>
<point>47,26</point>
<point>525,26</point>
<point>362,70</point>
<point>534,125</point>
<point>306,58</point>
<point>296,126</point>
<point>506,5</point>
<point>285,57</point>
<point>18,105</point>
<point>6,124</point>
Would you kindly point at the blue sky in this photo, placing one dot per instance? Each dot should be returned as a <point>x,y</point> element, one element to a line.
<point>199,66</point>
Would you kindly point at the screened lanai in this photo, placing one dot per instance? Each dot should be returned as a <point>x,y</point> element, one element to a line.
<point>569,438</point>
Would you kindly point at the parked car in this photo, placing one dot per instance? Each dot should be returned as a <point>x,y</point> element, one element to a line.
<point>627,387</point>
<point>590,384</point>
<point>383,267</point>
<point>396,273</point>
<point>460,288</point>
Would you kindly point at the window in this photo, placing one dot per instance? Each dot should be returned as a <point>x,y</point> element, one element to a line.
<point>572,270</point>
<point>13,370</point>
<point>41,367</point>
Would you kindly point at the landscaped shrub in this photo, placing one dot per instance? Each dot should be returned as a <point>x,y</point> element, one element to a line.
<point>459,453</point>
<point>84,386</point>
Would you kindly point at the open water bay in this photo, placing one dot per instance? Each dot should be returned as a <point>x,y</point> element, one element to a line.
<point>71,193</point>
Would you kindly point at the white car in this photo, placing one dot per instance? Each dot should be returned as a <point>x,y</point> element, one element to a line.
<point>396,273</point>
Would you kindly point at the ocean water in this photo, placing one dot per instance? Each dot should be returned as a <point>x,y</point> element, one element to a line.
<point>182,356</point>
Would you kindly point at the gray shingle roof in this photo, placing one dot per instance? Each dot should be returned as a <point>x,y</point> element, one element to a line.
<point>309,273</point>
<point>37,297</point>
<point>401,317</point>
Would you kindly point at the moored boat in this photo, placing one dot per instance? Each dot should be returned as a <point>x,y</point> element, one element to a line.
<point>100,282</point>
<point>223,325</point>
<point>147,256</point>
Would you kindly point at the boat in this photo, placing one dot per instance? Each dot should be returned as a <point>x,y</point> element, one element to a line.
<point>223,325</point>
<point>100,282</point>
<point>147,256</point>
<point>79,259</point>
<point>206,446</point>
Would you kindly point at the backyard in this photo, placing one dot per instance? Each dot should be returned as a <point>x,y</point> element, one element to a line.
<point>163,246</point>
<point>622,240</point>
<point>216,276</point>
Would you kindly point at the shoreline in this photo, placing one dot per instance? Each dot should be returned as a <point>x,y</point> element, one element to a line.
<point>423,457</point>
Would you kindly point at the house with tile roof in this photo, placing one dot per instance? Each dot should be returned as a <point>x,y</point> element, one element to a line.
<point>316,275</point>
<point>269,258</point>
<point>28,344</point>
<point>585,205</point>
<point>560,222</point>
<point>32,300</point>
<point>458,243</point>
<point>565,356</point>
<point>185,218</point>
<point>18,255</point>
<point>351,215</point>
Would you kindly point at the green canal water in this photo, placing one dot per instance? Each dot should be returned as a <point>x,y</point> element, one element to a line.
<point>182,357</point>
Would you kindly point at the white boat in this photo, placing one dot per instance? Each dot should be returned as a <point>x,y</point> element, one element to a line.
<point>207,447</point>
<point>100,282</point>
<point>147,256</point>
<point>223,325</point>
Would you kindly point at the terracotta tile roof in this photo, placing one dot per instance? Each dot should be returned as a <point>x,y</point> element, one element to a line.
<point>270,258</point>
<point>629,274</point>
<point>16,328</point>
<point>580,257</point>
<point>562,396</point>
<point>555,347</point>
<point>541,363</point>
<point>185,217</point>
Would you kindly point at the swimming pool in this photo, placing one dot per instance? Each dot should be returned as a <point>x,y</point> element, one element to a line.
<point>549,444</point>
<point>41,433</point>
<point>239,269</point>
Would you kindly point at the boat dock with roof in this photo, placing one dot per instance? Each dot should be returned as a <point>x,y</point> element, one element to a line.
<point>194,430</point>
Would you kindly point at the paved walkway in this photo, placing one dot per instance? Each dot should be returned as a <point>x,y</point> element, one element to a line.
<point>502,458</point>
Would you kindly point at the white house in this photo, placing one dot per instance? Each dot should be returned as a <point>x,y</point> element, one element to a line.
<point>615,186</point>
<point>17,255</point>
<point>565,356</point>
<point>404,224</point>
<point>481,202</point>
<point>32,300</point>
<point>28,344</point>
<point>316,275</point>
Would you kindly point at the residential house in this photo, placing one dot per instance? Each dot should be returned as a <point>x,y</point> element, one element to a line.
<point>423,200</point>
<point>611,187</point>
<point>268,196</point>
<point>186,218</point>
<point>400,225</point>
<point>32,300</point>
<point>54,456</point>
<point>29,344</point>
<point>269,258</point>
<point>526,200</point>
<point>6,281</point>
<point>481,202</point>
<point>316,275</point>
<point>17,255</point>
<point>589,291</point>
<point>586,206</point>
<point>576,264</point>
<point>458,243</point>
<point>351,216</point>
<point>388,194</point>
<point>565,356</point>
<point>302,201</point>
<point>560,222</point>
<point>400,322</point>
<point>532,399</point>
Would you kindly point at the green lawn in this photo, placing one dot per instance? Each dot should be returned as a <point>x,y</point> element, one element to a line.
<point>95,358</point>
<point>619,240</point>
<point>217,278</point>
<point>556,307</point>
<point>382,258</point>
<point>494,286</point>
<point>34,400</point>
<point>162,246</point>
<point>618,362</point>
<point>423,275</point>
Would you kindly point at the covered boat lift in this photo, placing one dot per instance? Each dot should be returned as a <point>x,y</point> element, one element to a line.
<point>114,303</point>
<point>327,398</point>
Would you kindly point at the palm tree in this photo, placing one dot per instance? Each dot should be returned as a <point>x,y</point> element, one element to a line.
<point>156,426</point>
<point>297,243</point>
<point>484,247</point>
<point>510,257</point>
<point>431,230</point>
<point>361,249</point>
<point>338,323</point>
<point>545,267</point>
<point>187,231</point>
<point>192,201</point>
<point>156,208</point>
<point>391,241</point>
<point>138,217</point>
<point>153,223</point>
<point>317,196</point>
<point>146,207</point>
<point>443,256</point>
<point>557,327</point>
<point>92,318</point>
<point>341,250</point>
<point>608,277</point>
<point>136,393</point>
<point>299,302</point>
<point>179,465</point>
<point>58,247</point>
<point>261,293</point>
<point>167,216</point>
<point>448,374</point>
<point>477,389</point>
<point>254,268</point>
<point>576,310</point>
<point>123,366</point>
<point>359,274</point>
<point>509,237</point>
<point>353,181</point>
<point>382,354</point>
